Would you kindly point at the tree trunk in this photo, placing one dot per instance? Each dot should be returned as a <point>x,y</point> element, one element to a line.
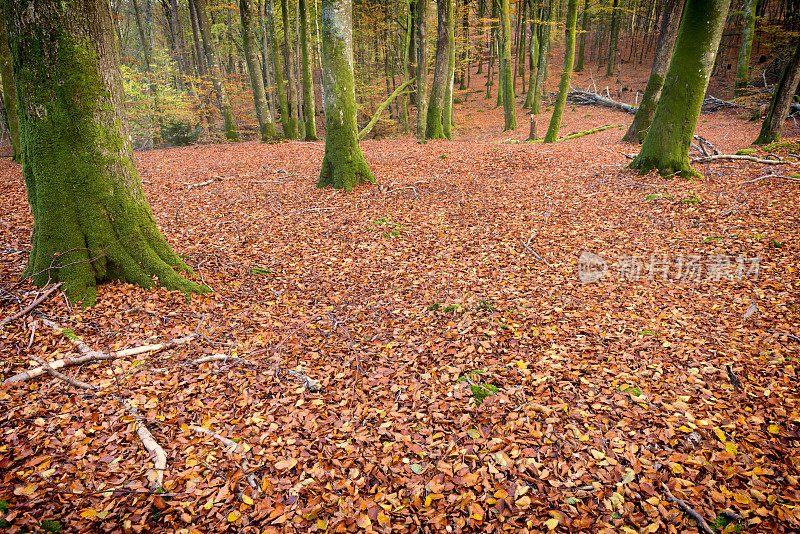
<point>584,27</point>
<point>277,64</point>
<point>507,79</point>
<point>544,44</point>
<point>666,146</point>
<point>465,30</point>
<point>612,45</point>
<point>9,94</point>
<point>447,113</point>
<point>533,58</point>
<point>411,54</point>
<point>343,165</point>
<point>217,77</point>
<point>289,66</point>
<point>422,68</point>
<point>91,220</point>
<point>781,100</point>
<point>743,63</point>
<point>652,92</point>
<point>481,33</point>
<point>265,123</point>
<point>309,98</point>
<point>435,129</point>
<point>569,59</point>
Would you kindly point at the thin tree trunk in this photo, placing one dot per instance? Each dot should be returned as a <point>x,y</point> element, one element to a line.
<point>92,222</point>
<point>411,53</point>
<point>613,38</point>
<point>265,123</point>
<point>289,66</point>
<point>569,59</point>
<point>743,63</point>
<point>309,98</point>
<point>584,27</point>
<point>482,22</point>
<point>447,111</point>
<point>781,101</point>
<point>544,43</point>
<point>652,92</point>
<point>422,68</point>
<point>269,10</point>
<point>435,129</point>
<point>507,78</point>
<point>9,94</point>
<point>343,165</point>
<point>666,146</point>
<point>533,58</point>
<point>216,73</point>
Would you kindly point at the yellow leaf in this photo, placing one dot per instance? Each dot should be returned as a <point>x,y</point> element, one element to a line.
<point>597,454</point>
<point>741,498</point>
<point>233,516</point>
<point>88,513</point>
<point>383,519</point>
<point>774,429</point>
<point>676,468</point>
<point>551,523</point>
<point>731,447</point>
<point>521,364</point>
<point>363,521</point>
<point>285,464</point>
<point>720,434</point>
<point>476,512</point>
<point>523,502</point>
<point>247,499</point>
<point>209,503</point>
<point>322,524</point>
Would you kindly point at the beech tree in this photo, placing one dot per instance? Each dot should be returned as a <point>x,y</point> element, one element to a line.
<point>436,102</point>
<point>666,146</point>
<point>422,67</point>
<point>506,77</point>
<point>307,61</point>
<point>91,220</point>
<point>9,94</point>
<point>265,123</point>
<point>781,101</point>
<point>569,59</point>
<point>746,47</point>
<point>652,92</point>
<point>343,165</point>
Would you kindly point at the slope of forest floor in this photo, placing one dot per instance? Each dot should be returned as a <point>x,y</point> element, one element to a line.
<point>469,382</point>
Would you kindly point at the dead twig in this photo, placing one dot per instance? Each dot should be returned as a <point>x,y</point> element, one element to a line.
<point>701,523</point>
<point>738,157</point>
<point>203,184</point>
<point>150,444</point>
<point>32,305</point>
<point>535,255</point>
<point>778,176</point>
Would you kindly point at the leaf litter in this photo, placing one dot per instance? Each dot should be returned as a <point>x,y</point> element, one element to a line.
<point>606,398</point>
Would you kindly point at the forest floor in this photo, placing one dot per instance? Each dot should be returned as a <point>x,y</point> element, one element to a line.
<point>468,380</point>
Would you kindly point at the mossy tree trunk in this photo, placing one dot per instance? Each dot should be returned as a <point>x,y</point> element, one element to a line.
<point>422,68</point>
<point>507,78</point>
<point>217,76</point>
<point>435,128</point>
<point>614,38</point>
<point>307,58</point>
<point>343,165</point>
<point>544,45</point>
<point>277,68</point>
<point>9,94</point>
<point>670,22</point>
<point>569,60</point>
<point>533,58</point>
<point>584,28</point>
<point>265,123</point>
<point>91,220</point>
<point>482,33</point>
<point>411,43</point>
<point>447,113</point>
<point>492,47</point>
<point>666,146</point>
<point>288,62</point>
<point>781,101</point>
<point>746,48</point>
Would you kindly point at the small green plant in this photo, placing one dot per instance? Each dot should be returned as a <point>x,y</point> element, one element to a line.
<point>745,151</point>
<point>485,305</point>
<point>654,196</point>
<point>260,271</point>
<point>632,390</point>
<point>51,526</point>
<point>178,133</point>
<point>479,390</point>
<point>453,308</point>
<point>393,228</point>
<point>776,244</point>
<point>725,523</point>
<point>4,506</point>
<point>443,156</point>
<point>647,332</point>
<point>435,306</point>
<point>712,238</point>
<point>692,199</point>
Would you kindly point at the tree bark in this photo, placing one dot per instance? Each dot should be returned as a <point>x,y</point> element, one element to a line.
<point>343,166</point>
<point>217,76</point>
<point>422,68</point>
<point>309,98</point>
<point>507,78</point>
<point>612,45</point>
<point>666,146</point>
<point>569,60</point>
<point>584,27</point>
<point>277,64</point>
<point>666,43</point>
<point>288,63</point>
<point>265,123</point>
<point>411,53</point>
<point>435,128</point>
<point>91,220</point>
<point>9,94</point>
<point>781,101</point>
<point>447,111</point>
<point>544,44</point>
<point>748,29</point>
<point>533,57</point>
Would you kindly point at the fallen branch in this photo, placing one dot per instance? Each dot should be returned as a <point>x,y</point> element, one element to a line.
<point>701,523</point>
<point>790,336</point>
<point>779,176</point>
<point>232,446</point>
<point>592,131</point>
<point>535,255</point>
<point>311,384</point>
<point>363,133</point>
<point>718,157</point>
<point>32,305</point>
<point>203,184</point>
<point>587,98</point>
<point>149,442</point>
<point>414,189</point>
<point>88,355</point>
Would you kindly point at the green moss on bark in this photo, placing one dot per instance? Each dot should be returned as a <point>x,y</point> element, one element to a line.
<point>569,59</point>
<point>91,220</point>
<point>507,77</point>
